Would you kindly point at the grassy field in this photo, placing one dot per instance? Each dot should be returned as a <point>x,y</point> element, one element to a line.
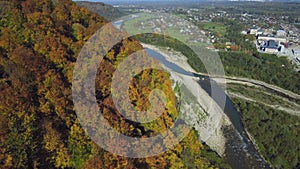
<point>173,32</point>
<point>215,27</point>
<point>134,27</point>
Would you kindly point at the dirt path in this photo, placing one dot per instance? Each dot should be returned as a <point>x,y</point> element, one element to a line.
<point>255,83</point>
<point>278,107</point>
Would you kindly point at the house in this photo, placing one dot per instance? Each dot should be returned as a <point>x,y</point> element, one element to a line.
<point>268,32</point>
<point>228,43</point>
<point>210,47</point>
<point>244,32</point>
<point>281,33</point>
<point>253,31</point>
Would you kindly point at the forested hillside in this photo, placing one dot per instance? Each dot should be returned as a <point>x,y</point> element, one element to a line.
<point>275,133</point>
<point>39,43</point>
<point>107,11</point>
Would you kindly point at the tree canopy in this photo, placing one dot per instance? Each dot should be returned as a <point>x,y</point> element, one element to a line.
<point>39,43</point>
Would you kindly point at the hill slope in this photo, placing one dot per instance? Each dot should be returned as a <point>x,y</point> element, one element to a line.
<point>107,11</point>
<point>39,44</point>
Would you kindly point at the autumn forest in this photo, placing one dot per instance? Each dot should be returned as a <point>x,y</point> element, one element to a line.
<point>39,44</point>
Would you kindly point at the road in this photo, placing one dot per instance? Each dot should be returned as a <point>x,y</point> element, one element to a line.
<point>278,107</point>
<point>250,82</point>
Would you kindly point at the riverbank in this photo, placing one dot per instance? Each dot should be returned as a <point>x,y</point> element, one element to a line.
<point>210,130</point>
<point>209,127</point>
<point>256,146</point>
<point>172,56</point>
<point>220,134</point>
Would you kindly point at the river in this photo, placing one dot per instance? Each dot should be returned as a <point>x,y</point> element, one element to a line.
<point>240,152</point>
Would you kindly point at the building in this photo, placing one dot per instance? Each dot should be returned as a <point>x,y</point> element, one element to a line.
<point>281,33</point>
<point>270,47</point>
<point>267,38</point>
<point>253,31</point>
<point>259,32</point>
<point>210,47</point>
<point>296,60</point>
<point>244,32</point>
<point>296,52</point>
<point>268,32</point>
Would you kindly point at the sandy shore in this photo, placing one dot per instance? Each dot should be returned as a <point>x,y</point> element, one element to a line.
<point>172,56</point>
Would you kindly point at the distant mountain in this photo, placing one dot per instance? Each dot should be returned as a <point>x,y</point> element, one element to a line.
<point>186,1</point>
<point>107,11</point>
